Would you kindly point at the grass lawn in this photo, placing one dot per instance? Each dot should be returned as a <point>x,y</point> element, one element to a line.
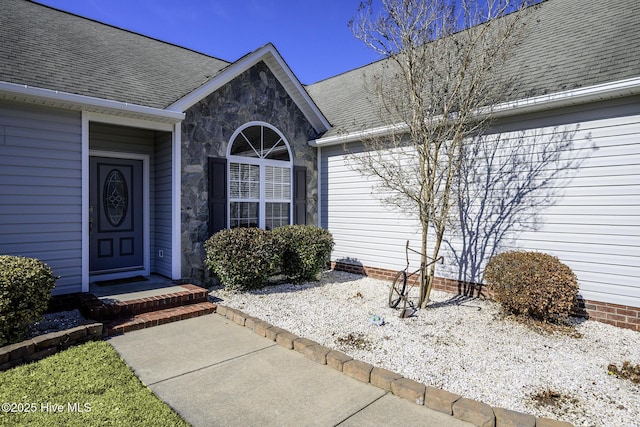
<point>87,385</point>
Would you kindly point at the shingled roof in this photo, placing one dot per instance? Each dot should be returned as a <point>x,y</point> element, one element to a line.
<point>571,44</point>
<point>47,48</point>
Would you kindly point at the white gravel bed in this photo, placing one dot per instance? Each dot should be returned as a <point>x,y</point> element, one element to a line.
<point>465,347</point>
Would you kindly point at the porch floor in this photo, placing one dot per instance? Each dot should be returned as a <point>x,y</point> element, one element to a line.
<point>154,285</point>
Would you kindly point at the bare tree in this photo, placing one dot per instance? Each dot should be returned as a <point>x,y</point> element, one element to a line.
<point>434,90</point>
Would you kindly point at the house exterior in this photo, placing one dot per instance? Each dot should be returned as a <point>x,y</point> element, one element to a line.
<point>121,154</point>
<point>578,76</point>
<point>106,145</point>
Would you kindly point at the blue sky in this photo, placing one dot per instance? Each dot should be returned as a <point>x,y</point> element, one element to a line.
<point>312,35</point>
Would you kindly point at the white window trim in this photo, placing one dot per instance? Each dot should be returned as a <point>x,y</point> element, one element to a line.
<point>262,163</point>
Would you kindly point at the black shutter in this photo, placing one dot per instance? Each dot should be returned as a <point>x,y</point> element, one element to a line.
<point>217,194</point>
<point>299,195</point>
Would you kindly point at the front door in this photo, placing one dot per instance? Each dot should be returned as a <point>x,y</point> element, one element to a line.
<point>116,242</point>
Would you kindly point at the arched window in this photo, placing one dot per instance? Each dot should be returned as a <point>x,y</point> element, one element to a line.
<point>260,177</point>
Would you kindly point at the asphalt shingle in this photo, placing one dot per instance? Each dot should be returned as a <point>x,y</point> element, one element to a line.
<point>48,48</point>
<point>570,44</point>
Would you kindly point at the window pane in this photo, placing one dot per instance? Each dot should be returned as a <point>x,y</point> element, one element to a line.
<point>260,142</point>
<point>277,183</point>
<point>234,180</point>
<point>269,138</point>
<point>245,145</point>
<point>244,181</point>
<point>253,134</point>
<point>277,215</point>
<point>243,214</point>
<point>273,147</point>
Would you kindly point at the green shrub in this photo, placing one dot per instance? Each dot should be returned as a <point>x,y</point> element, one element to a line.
<point>242,257</point>
<point>532,284</point>
<point>246,257</point>
<point>305,250</point>
<point>25,290</point>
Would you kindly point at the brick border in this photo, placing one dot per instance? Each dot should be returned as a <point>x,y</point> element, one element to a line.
<point>440,283</point>
<point>45,345</point>
<point>621,316</point>
<point>474,412</point>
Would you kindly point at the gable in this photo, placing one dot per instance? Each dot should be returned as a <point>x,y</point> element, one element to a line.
<point>268,55</point>
<point>255,94</point>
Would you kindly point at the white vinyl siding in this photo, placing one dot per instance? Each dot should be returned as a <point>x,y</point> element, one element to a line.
<point>41,189</point>
<point>365,231</point>
<point>592,223</point>
<point>595,226</point>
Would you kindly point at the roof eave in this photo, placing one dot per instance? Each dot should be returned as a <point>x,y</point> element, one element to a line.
<point>601,92</point>
<point>278,66</point>
<point>54,98</point>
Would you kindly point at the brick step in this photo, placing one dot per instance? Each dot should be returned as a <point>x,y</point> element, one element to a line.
<point>158,317</point>
<point>94,308</point>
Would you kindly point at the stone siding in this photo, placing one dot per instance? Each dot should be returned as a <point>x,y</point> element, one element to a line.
<point>255,95</point>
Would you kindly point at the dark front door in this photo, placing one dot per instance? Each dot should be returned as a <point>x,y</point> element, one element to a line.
<point>115,215</point>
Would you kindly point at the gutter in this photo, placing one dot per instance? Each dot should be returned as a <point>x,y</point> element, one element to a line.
<point>601,92</point>
<point>618,89</point>
<point>82,102</point>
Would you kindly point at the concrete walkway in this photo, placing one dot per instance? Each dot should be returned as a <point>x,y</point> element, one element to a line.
<point>216,373</point>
